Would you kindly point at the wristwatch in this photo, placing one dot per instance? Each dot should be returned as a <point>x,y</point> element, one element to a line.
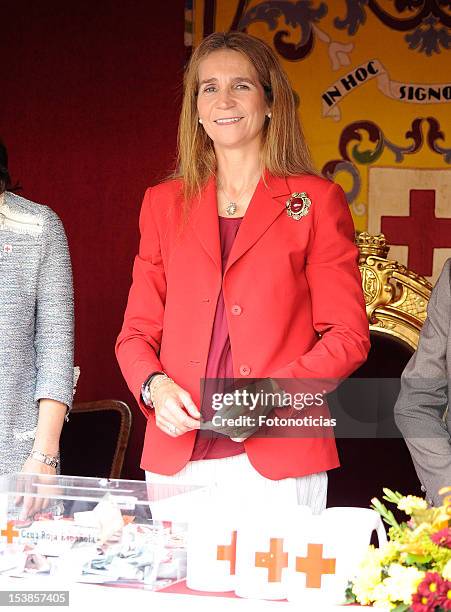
<point>145,389</point>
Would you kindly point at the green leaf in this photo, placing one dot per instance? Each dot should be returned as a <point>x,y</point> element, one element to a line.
<point>379,506</point>
<point>401,608</point>
<point>392,496</point>
<point>386,514</point>
<point>412,559</point>
<point>349,594</point>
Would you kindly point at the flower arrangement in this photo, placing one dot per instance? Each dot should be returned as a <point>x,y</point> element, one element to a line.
<point>412,572</point>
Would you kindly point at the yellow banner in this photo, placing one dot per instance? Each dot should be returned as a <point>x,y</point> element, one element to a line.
<point>379,70</point>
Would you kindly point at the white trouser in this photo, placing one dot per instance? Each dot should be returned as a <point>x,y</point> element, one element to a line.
<point>235,476</point>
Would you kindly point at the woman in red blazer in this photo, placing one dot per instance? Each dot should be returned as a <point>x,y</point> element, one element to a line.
<point>247,268</point>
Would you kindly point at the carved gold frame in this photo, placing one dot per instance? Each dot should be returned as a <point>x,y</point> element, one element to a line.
<point>396,298</point>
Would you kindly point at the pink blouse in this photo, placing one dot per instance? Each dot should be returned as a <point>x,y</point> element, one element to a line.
<point>208,444</point>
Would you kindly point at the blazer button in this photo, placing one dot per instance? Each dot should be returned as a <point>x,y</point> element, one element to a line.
<point>245,370</point>
<point>236,310</point>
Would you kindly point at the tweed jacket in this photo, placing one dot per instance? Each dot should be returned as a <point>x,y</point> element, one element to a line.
<point>421,409</point>
<point>36,322</point>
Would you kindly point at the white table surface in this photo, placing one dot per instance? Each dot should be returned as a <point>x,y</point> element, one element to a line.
<point>88,597</point>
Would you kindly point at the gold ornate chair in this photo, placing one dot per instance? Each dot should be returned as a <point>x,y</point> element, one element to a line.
<point>396,298</point>
<point>396,301</point>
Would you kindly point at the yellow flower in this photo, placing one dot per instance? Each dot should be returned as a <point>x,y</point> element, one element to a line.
<point>369,576</point>
<point>410,503</point>
<point>446,572</point>
<point>389,552</point>
<point>441,519</point>
<point>402,582</point>
<point>382,599</point>
<point>415,533</point>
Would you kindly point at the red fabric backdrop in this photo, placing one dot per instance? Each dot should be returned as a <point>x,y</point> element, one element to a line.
<point>89,100</point>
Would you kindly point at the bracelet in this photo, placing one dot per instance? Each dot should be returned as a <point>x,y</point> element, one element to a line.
<point>43,458</point>
<point>155,383</point>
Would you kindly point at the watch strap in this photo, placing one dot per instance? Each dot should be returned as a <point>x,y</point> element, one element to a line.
<point>145,388</point>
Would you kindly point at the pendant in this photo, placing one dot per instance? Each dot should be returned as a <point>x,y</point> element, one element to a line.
<point>231,208</point>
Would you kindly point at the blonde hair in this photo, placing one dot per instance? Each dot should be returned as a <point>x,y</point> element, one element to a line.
<point>284,151</point>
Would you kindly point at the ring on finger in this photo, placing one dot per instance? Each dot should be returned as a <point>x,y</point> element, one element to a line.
<point>172,428</point>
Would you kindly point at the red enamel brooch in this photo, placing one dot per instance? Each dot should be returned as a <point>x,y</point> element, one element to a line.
<point>298,205</point>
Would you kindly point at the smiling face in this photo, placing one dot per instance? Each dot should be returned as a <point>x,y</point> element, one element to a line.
<point>231,101</point>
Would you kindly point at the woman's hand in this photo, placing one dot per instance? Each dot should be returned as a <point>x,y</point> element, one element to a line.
<point>32,505</point>
<point>175,411</point>
<point>50,423</point>
<point>239,421</point>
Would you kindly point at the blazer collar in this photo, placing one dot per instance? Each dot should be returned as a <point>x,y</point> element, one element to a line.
<point>205,222</point>
<point>267,203</point>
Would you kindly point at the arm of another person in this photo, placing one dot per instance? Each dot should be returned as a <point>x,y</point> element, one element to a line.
<point>54,342</point>
<point>338,305</point>
<point>423,399</point>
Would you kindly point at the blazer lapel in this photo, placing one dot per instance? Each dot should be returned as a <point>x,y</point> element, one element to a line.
<point>267,203</point>
<point>205,222</point>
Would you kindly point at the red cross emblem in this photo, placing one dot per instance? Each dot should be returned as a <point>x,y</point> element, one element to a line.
<point>421,231</point>
<point>10,533</point>
<point>275,560</point>
<point>228,553</point>
<point>314,566</point>
<point>7,248</point>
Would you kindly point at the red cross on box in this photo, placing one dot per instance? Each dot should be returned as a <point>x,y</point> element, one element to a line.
<point>275,560</point>
<point>314,566</point>
<point>228,553</point>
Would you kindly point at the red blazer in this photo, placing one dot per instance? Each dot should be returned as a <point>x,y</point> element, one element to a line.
<point>301,308</point>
